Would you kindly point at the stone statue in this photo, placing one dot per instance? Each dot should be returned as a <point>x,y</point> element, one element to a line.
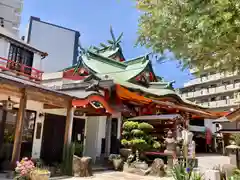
<point>187,136</point>
<point>157,168</point>
<point>191,149</point>
<point>170,143</point>
<point>179,133</point>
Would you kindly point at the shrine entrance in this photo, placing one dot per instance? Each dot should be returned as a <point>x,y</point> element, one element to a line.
<point>53,136</point>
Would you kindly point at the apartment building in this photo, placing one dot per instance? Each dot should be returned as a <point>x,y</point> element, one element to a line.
<point>216,91</point>
<point>10,15</point>
<point>61,43</point>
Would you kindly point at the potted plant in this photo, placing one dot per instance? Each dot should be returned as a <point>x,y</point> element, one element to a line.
<point>116,160</point>
<point>78,149</point>
<point>23,169</point>
<point>137,137</point>
<point>39,174</point>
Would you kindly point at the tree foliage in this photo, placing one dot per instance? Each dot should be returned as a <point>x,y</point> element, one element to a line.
<point>200,33</point>
<point>137,135</point>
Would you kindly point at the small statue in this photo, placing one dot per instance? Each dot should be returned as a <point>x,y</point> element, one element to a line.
<point>192,148</point>
<point>170,143</point>
<point>187,136</point>
<point>179,133</point>
<point>130,158</point>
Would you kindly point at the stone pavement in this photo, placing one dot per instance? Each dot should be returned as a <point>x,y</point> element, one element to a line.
<point>114,175</point>
<point>205,161</point>
<point>209,161</point>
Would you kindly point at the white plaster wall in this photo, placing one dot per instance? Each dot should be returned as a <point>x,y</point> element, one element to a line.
<point>52,76</point>
<point>37,62</point>
<point>4,48</point>
<point>91,138</point>
<point>101,133</point>
<point>9,11</point>
<point>37,143</point>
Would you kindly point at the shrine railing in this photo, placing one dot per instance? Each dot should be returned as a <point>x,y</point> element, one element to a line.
<point>20,69</point>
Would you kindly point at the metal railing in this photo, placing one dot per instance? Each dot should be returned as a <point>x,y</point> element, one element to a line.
<point>20,69</point>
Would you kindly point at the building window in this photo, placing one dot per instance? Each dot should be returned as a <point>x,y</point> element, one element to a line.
<point>20,56</point>
<point>213,99</point>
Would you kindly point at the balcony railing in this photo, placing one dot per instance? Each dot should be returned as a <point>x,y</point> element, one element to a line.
<point>210,78</point>
<point>21,69</point>
<point>211,91</point>
<point>219,103</point>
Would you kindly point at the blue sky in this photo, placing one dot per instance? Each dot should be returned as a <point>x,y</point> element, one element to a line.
<point>93,19</point>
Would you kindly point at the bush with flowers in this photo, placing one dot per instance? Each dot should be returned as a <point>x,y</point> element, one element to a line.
<point>23,169</point>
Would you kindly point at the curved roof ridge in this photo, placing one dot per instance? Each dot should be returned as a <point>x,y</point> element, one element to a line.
<point>107,59</point>
<point>138,59</point>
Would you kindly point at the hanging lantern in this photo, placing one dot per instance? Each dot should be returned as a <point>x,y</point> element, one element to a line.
<point>8,104</point>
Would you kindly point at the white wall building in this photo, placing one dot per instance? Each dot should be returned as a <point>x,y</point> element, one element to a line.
<point>61,44</point>
<point>10,14</point>
<point>17,51</point>
<point>216,91</point>
<point>21,61</point>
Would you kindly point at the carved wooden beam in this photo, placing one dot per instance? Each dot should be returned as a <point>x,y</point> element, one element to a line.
<point>47,98</point>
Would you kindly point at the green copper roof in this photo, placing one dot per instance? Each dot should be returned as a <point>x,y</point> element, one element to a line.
<point>106,67</point>
<point>98,61</point>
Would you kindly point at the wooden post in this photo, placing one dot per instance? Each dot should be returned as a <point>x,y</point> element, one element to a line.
<point>69,124</point>
<point>18,130</point>
<point>2,126</point>
<point>68,128</point>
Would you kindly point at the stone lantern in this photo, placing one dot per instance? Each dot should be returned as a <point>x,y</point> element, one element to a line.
<point>233,153</point>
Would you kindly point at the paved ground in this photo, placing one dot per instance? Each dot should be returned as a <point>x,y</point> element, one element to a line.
<point>205,161</point>
<point>208,161</point>
<point>118,176</point>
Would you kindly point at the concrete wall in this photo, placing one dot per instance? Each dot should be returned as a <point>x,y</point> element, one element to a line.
<point>58,42</point>
<point>10,10</point>
<point>37,62</point>
<point>4,48</point>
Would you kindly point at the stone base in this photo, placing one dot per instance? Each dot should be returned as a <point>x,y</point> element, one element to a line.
<point>10,175</point>
<point>82,167</point>
<point>157,168</point>
<point>133,170</point>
